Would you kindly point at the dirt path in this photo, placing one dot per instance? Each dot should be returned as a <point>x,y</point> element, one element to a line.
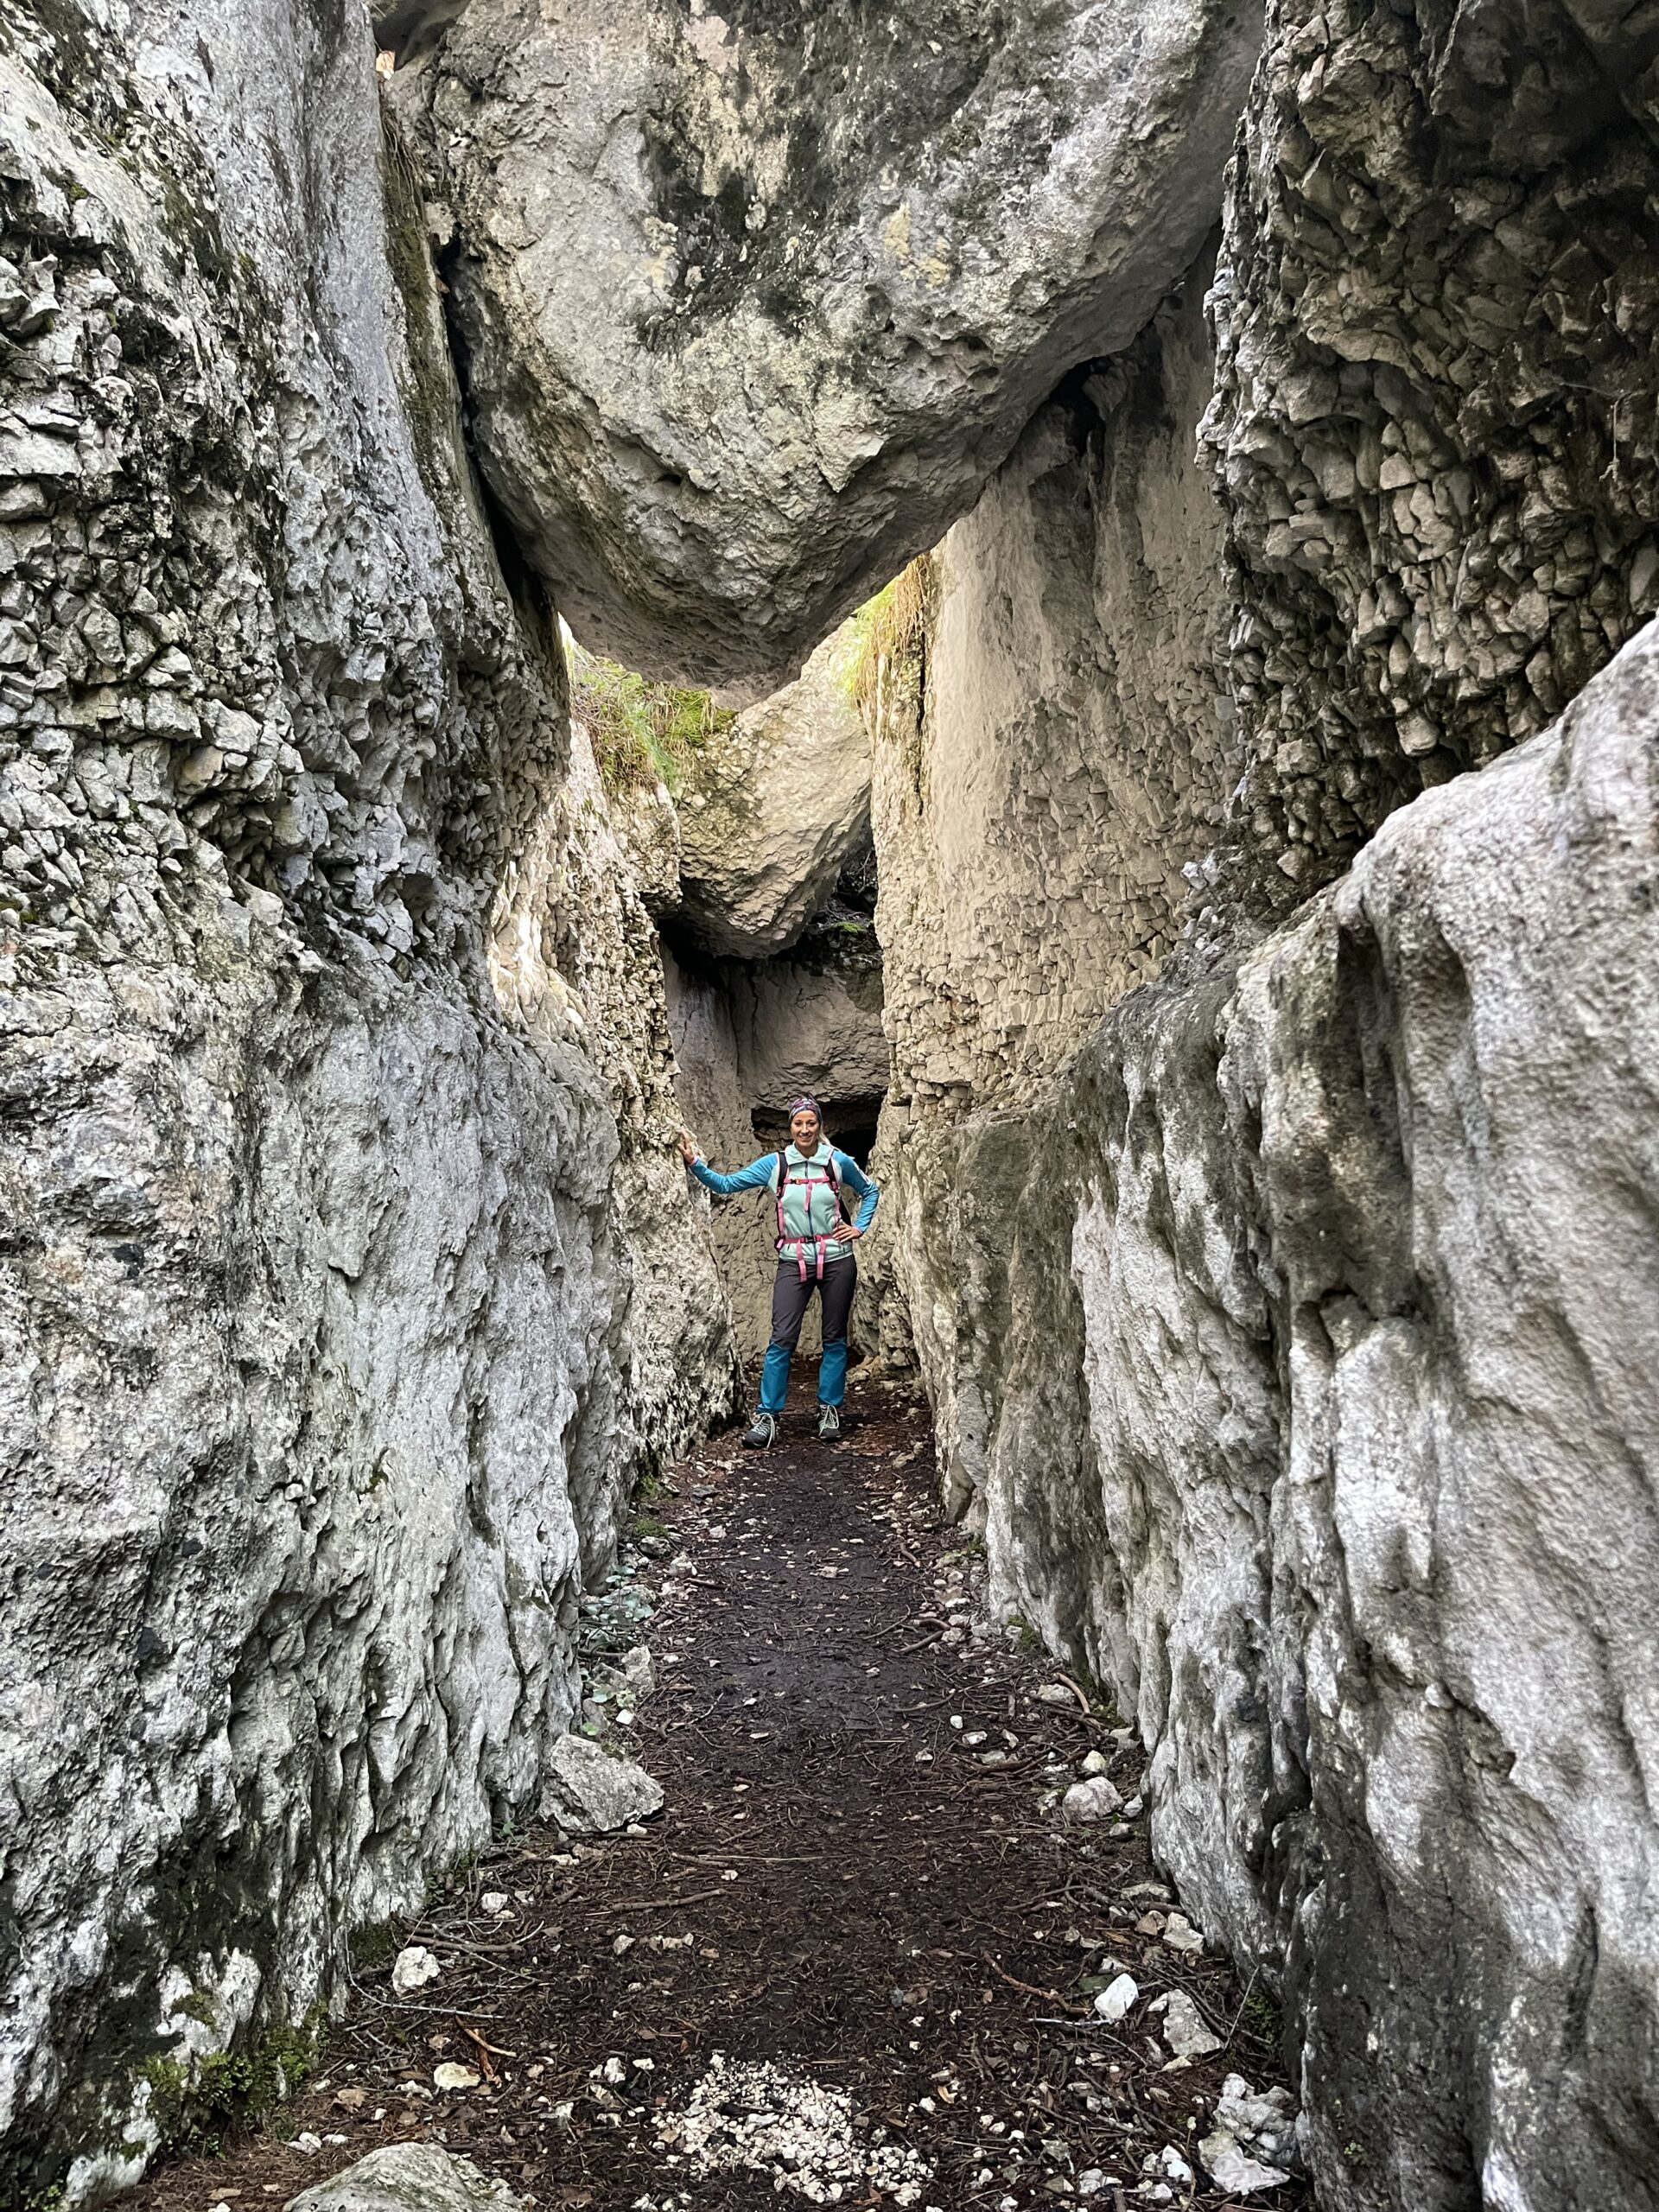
<point>853,1880</point>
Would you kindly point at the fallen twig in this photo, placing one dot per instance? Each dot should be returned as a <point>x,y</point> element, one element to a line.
<point>662,1904</point>
<point>1050,1996</point>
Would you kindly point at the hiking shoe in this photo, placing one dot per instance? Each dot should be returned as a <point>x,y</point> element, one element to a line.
<point>763,1434</point>
<point>829,1420</point>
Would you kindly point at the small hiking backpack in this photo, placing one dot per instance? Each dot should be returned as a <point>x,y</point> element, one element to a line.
<point>813,1172</point>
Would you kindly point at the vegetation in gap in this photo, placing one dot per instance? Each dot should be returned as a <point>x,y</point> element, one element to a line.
<point>889,672</point>
<point>890,628</point>
<point>643,732</point>
<point>197,2103</point>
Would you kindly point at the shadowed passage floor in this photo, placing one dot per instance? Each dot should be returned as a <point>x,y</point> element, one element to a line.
<point>856,1958</point>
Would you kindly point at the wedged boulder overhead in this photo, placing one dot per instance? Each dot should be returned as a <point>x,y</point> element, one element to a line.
<point>772,808</point>
<point>753,301</point>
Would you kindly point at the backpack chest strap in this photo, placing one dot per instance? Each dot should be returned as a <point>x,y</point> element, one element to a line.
<point>807,1180</point>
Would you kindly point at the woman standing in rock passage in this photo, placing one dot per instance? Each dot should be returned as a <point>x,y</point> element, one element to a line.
<point>815,1252</point>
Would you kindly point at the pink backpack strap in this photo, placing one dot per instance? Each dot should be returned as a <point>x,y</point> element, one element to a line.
<point>831,1176</point>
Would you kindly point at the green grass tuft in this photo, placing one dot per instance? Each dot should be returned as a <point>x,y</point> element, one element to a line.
<point>196,2103</point>
<point>889,630</point>
<point>644,733</point>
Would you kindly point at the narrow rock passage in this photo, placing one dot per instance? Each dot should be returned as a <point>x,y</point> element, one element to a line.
<point>855,1895</point>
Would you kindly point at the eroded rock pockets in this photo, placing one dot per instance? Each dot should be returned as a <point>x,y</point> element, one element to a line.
<point>1434,420</point>
<point>751,302</point>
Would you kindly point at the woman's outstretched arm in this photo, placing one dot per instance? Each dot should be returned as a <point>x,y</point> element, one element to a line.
<point>754,1177</point>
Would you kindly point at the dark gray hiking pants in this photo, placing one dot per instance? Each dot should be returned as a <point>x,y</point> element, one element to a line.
<point>789,1298</point>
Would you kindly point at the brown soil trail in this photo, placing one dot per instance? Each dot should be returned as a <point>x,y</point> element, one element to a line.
<point>853,1876</point>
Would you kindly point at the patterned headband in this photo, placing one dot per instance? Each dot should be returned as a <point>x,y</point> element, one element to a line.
<point>806,1106</point>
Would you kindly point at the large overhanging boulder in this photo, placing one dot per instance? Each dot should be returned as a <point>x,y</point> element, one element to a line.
<point>773,807</point>
<point>753,301</point>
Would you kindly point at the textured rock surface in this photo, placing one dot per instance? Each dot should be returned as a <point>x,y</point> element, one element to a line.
<point>1288,1321</point>
<point>1297,1354</point>
<point>320,1360</point>
<point>808,1025</point>
<point>407,2178</point>
<point>594,1792</point>
<point>575,962</point>
<point>1435,413</point>
<point>1038,796</point>
<point>753,301</point>
<point>773,808</point>
<point>1280,1336</point>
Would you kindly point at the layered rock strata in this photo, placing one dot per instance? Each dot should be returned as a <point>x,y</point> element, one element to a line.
<point>324,1360</point>
<point>1435,407</point>
<point>753,301</point>
<point>1054,728</point>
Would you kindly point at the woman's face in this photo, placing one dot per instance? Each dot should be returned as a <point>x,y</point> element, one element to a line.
<point>803,1128</point>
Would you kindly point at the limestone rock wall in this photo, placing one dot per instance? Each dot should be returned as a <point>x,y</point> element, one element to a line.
<point>1279,1331</point>
<point>1298,1350</point>
<point>1435,413</point>
<point>338,1266</point>
<point>1054,730</point>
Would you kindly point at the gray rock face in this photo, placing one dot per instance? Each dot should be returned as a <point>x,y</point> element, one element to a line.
<point>1435,419</point>
<point>407,2178</point>
<point>1298,1357</point>
<point>809,1026</point>
<point>1037,796</point>
<point>754,300</point>
<point>773,808</point>
<point>345,1278</point>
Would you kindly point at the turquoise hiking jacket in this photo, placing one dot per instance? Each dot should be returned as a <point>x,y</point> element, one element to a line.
<point>810,1209</point>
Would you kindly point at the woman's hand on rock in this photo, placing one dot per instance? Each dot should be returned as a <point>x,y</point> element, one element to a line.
<point>688,1147</point>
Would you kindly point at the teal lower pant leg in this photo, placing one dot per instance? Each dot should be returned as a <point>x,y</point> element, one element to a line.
<point>832,1374</point>
<point>790,1297</point>
<point>775,1376</point>
<point>840,1281</point>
